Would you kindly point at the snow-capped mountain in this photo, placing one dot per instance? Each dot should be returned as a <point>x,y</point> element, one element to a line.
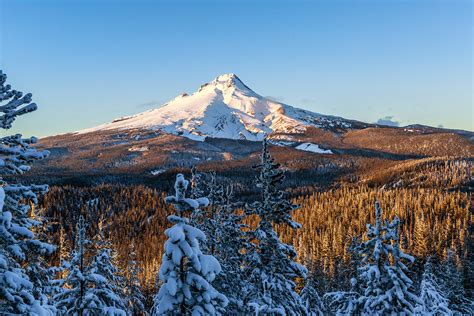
<point>224,108</point>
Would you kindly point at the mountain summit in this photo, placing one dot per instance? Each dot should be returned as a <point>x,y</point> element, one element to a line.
<point>225,108</point>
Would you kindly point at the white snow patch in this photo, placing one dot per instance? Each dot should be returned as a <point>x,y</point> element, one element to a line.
<point>281,143</point>
<point>141,149</point>
<point>314,148</point>
<point>157,171</point>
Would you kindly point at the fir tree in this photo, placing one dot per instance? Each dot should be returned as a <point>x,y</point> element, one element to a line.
<point>387,287</point>
<point>196,183</point>
<point>135,298</point>
<point>197,217</point>
<point>311,299</point>
<point>106,281</point>
<point>74,299</point>
<point>271,266</point>
<point>40,273</point>
<point>18,245</point>
<point>186,273</point>
<point>229,244</point>
<point>207,218</point>
<point>344,303</point>
<point>452,286</point>
<point>433,301</point>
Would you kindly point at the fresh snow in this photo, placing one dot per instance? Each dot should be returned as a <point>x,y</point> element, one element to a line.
<point>157,172</point>
<point>224,108</point>
<point>314,148</point>
<point>139,149</point>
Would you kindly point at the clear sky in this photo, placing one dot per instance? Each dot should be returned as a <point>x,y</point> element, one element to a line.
<point>88,62</point>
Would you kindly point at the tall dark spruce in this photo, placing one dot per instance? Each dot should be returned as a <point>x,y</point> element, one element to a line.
<point>271,267</point>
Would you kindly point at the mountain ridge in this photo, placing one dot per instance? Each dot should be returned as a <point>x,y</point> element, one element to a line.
<point>225,108</point>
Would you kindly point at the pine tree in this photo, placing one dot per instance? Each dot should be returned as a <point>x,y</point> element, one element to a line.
<point>186,273</point>
<point>207,218</point>
<point>311,299</point>
<point>453,287</point>
<point>198,217</point>
<point>344,303</point>
<point>40,273</point>
<point>387,287</point>
<point>106,281</point>
<point>196,183</point>
<point>133,291</point>
<point>75,299</point>
<point>433,301</point>
<point>229,244</point>
<point>18,245</point>
<point>271,266</point>
<point>422,238</point>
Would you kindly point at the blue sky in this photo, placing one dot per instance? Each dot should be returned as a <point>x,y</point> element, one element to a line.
<point>87,62</point>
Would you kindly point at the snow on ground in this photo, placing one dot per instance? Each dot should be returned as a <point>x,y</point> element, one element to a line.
<point>281,143</point>
<point>157,171</point>
<point>314,148</point>
<point>144,148</point>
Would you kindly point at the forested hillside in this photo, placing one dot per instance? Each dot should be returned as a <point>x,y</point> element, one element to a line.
<point>434,220</point>
<point>278,231</point>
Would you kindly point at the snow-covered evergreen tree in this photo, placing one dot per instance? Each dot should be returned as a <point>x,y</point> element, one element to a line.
<point>311,299</point>
<point>73,300</point>
<point>453,288</point>
<point>134,297</point>
<point>106,283</point>
<point>90,288</point>
<point>344,302</point>
<point>271,266</point>
<point>196,184</point>
<point>387,288</point>
<point>206,218</point>
<point>197,217</point>
<point>40,273</point>
<point>18,245</point>
<point>229,245</point>
<point>185,271</point>
<point>433,301</point>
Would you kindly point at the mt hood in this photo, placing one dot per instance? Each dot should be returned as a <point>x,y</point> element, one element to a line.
<point>225,108</point>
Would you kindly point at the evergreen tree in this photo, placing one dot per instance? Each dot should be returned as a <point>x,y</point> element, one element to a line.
<point>196,183</point>
<point>19,246</point>
<point>433,301</point>
<point>271,266</point>
<point>452,286</point>
<point>207,218</point>
<point>90,288</point>
<point>344,303</point>
<point>311,299</point>
<point>133,291</point>
<point>106,283</point>
<point>186,273</point>
<point>75,299</point>
<point>40,273</point>
<point>387,287</point>
<point>229,244</point>
<point>197,217</point>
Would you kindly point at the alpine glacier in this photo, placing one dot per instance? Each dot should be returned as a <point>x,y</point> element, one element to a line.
<point>224,108</point>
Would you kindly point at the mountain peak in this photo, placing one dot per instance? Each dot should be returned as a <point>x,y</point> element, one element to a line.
<point>226,77</point>
<point>227,81</point>
<point>225,108</point>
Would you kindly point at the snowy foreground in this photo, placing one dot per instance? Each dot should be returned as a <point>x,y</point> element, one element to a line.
<point>213,264</point>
